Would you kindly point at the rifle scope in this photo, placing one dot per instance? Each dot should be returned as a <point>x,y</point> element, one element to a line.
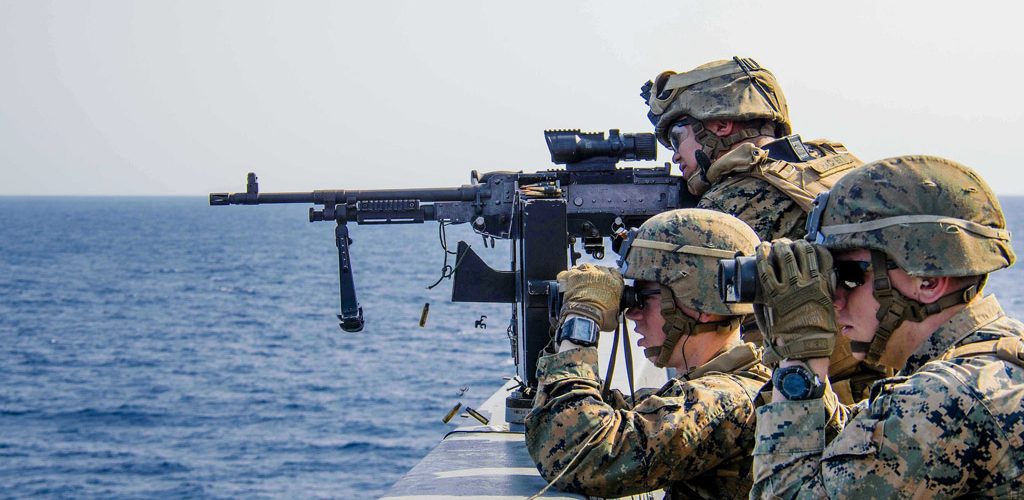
<point>573,146</point>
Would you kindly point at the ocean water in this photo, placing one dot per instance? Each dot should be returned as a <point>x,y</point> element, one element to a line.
<point>160,347</point>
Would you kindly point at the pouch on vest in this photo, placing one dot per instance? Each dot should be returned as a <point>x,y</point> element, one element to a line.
<point>802,181</point>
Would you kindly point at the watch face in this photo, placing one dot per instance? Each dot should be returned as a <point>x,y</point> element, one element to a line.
<point>794,385</point>
<point>580,331</point>
<point>797,383</point>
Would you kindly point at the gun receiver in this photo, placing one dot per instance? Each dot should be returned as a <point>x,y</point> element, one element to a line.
<point>543,213</point>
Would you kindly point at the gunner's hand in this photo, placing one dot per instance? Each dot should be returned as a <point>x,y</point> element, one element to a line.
<point>795,309</point>
<point>593,292</point>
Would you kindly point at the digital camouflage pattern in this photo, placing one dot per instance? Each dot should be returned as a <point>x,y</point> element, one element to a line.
<point>718,90</point>
<point>913,185</point>
<point>692,437</point>
<point>768,211</point>
<point>692,278</point>
<point>942,428</point>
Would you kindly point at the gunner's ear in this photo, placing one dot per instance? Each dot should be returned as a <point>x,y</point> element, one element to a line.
<point>931,289</point>
<point>721,128</point>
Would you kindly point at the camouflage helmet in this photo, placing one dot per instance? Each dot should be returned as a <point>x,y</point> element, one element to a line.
<point>930,215</point>
<point>681,249</point>
<point>735,89</point>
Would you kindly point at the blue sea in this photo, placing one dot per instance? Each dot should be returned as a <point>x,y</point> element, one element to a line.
<point>160,347</point>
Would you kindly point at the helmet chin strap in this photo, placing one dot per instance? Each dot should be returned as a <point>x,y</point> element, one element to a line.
<point>713,146</point>
<point>860,346</point>
<point>894,308</point>
<point>678,325</point>
<point>697,183</point>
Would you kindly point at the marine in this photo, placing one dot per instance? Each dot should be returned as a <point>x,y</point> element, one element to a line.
<point>909,243</point>
<point>694,435</point>
<point>727,123</point>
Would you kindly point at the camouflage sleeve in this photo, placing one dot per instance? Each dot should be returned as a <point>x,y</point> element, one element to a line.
<point>582,444</point>
<point>923,435</point>
<point>790,439</point>
<point>762,206</point>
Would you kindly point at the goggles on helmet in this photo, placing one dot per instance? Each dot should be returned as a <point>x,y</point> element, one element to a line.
<point>657,94</point>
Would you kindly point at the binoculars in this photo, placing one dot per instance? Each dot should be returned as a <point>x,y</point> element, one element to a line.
<point>737,280</point>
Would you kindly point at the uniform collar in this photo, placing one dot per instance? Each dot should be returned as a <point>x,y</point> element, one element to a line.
<point>734,356</point>
<point>975,315</point>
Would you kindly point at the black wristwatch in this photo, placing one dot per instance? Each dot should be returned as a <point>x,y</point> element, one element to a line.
<point>579,331</point>
<point>798,383</point>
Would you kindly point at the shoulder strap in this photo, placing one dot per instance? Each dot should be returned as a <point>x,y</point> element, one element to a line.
<point>1009,349</point>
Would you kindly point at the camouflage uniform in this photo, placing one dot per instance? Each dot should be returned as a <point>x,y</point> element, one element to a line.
<point>951,422</point>
<point>941,428</point>
<point>769,212</point>
<point>692,437</point>
<point>770,187</point>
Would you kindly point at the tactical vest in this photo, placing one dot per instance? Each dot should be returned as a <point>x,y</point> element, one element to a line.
<point>822,163</point>
<point>1009,349</point>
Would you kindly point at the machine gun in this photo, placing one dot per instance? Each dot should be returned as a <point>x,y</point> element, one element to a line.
<point>588,200</point>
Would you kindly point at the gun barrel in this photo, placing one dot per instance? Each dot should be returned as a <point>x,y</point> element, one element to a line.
<point>324,197</point>
<point>218,199</point>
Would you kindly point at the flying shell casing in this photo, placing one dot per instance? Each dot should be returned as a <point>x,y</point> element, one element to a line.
<point>451,413</point>
<point>423,315</point>
<point>473,413</point>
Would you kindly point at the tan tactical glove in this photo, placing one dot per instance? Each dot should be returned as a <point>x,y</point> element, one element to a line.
<point>797,317</point>
<point>592,292</point>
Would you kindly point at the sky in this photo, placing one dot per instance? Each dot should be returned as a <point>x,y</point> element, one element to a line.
<point>154,97</point>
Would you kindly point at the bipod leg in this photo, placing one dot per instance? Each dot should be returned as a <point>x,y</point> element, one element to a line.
<point>351,317</point>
